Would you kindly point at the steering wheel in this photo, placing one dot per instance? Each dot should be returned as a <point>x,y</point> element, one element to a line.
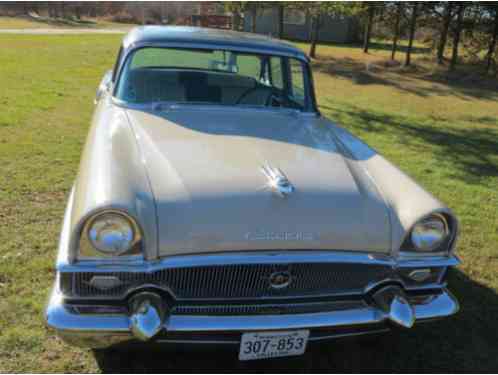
<point>254,89</point>
<point>276,101</point>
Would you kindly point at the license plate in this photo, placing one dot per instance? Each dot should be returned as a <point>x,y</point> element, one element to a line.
<point>259,345</point>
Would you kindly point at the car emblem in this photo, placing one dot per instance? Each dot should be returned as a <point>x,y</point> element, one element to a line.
<point>277,181</point>
<point>105,282</point>
<point>280,279</point>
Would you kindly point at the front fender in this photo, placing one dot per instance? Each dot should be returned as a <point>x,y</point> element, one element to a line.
<point>407,201</point>
<point>112,175</point>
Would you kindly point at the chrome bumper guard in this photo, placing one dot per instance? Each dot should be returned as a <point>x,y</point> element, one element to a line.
<point>149,316</point>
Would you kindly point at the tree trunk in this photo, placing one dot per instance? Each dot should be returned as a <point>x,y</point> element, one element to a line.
<point>235,20</point>
<point>254,14</point>
<point>368,29</point>
<point>63,9</point>
<point>93,10</point>
<point>314,35</point>
<point>492,44</point>
<point>413,23</point>
<point>77,11</point>
<point>444,32</point>
<point>280,21</point>
<point>396,30</point>
<point>456,37</point>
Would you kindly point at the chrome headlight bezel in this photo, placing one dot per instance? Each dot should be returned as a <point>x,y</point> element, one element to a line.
<point>443,246</point>
<point>88,248</point>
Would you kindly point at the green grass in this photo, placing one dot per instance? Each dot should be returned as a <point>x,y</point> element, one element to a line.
<point>444,135</point>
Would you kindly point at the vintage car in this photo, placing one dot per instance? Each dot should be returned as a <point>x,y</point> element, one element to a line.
<point>215,204</point>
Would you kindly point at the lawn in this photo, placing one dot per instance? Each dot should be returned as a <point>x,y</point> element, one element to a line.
<point>44,23</point>
<point>443,134</point>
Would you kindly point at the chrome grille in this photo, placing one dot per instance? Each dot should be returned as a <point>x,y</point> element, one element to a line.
<point>267,309</point>
<point>236,281</point>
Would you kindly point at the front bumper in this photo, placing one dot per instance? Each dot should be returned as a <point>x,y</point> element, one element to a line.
<point>389,305</point>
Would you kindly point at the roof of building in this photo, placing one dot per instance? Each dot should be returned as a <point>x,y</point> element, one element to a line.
<point>197,37</point>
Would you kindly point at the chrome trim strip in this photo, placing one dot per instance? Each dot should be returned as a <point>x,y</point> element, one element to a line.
<point>258,257</point>
<point>339,335</point>
<point>189,323</point>
<point>169,106</point>
<point>227,258</point>
<point>237,342</point>
<point>215,46</point>
<point>197,342</point>
<point>409,261</point>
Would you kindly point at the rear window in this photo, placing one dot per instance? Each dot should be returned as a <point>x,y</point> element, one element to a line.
<point>179,58</point>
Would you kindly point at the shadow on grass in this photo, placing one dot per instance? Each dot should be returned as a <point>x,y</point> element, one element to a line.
<point>375,45</point>
<point>385,46</point>
<point>471,151</point>
<point>464,84</point>
<point>463,343</point>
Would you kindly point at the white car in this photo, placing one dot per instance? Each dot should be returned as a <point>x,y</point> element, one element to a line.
<point>214,204</point>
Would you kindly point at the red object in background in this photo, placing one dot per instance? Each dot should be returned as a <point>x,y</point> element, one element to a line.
<point>214,21</point>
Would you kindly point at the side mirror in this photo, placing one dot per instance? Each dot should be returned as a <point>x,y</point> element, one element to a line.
<point>104,86</point>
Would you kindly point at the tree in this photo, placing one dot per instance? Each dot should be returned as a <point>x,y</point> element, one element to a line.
<point>77,9</point>
<point>280,9</point>
<point>445,26</point>
<point>237,8</point>
<point>56,10</point>
<point>456,35</point>
<point>315,28</point>
<point>413,23</point>
<point>50,6</point>
<point>254,13</point>
<point>93,10</point>
<point>318,10</point>
<point>63,9</point>
<point>494,37</point>
<point>396,29</point>
<point>370,10</point>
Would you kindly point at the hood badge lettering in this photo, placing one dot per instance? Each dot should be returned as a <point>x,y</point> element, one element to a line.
<point>277,181</point>
<point>262,235</point>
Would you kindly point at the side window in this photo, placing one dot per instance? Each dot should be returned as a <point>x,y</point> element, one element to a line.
<point>249,66</point>
<point>297,82</point>
<point>276,72</point>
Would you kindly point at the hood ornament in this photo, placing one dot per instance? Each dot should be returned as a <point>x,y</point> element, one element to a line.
<point>277,181</point>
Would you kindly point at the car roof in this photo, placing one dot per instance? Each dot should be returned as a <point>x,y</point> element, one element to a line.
<point>198,37</point>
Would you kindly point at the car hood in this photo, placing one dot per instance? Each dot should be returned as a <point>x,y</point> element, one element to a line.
<point>205,170</point>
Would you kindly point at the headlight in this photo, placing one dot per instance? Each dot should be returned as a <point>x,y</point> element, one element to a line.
<point>111,233</point>
<point>429,233</point>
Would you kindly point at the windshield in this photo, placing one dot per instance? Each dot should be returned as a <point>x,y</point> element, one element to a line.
<point>219,77</point>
